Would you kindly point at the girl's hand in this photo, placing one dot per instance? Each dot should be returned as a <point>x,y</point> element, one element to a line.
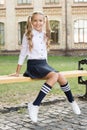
<point>14,74</point>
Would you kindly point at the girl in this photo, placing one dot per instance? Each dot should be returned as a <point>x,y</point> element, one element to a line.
<point>34,46</point>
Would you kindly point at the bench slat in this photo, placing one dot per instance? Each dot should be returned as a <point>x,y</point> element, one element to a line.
<point>68,74</point>
<point>74,73</point>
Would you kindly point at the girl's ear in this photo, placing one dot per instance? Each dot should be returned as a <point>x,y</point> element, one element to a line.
<point>45,18</point>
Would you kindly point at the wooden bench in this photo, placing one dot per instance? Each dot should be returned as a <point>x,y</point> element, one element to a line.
<point>68,74</point>
<point>5,79</point>
<point>80,73</point>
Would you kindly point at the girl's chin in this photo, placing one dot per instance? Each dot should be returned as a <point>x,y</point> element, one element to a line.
<point>39,30</point>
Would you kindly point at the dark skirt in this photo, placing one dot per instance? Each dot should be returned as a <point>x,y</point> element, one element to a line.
<point>38,69</point>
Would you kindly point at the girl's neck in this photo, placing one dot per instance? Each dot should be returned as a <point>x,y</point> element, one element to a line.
<point>37,30</point>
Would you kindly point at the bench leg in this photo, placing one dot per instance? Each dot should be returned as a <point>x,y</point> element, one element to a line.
<point>80,79</point>
<point>83,82</point>
<point>83,97</point>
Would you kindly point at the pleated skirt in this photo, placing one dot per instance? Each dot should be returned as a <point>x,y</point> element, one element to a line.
<point>38,69</point>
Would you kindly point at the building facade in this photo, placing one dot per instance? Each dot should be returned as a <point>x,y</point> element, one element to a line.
<point>68,21</point>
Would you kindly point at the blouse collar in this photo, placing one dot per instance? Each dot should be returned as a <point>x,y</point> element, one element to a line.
<point>35,32</point>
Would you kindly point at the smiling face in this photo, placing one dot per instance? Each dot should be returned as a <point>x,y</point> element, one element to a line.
<point>37,21</point>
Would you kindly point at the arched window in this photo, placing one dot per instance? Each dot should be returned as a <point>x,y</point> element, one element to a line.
<point>21,30</point>
<point>80,31</point>
<point>54,31</point>
<point>2,34</point>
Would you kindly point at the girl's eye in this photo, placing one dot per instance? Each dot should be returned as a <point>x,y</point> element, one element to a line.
<point>35,20</point>
<point>40,20</point>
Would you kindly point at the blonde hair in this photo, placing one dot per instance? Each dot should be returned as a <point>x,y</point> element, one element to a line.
<point>29,30</point>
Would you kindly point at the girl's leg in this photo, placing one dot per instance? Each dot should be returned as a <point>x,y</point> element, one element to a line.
<point>66,88</point>
<point>52,78</point>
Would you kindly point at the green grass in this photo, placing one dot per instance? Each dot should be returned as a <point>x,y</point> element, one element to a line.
<point>17,93</point>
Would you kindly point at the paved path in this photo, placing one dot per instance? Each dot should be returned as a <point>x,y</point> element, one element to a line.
<point>52,116</point>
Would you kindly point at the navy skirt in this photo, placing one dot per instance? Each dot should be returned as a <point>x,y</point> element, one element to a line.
<point>37,69</point>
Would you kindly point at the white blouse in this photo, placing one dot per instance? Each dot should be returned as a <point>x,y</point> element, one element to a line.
<point>39,50</point>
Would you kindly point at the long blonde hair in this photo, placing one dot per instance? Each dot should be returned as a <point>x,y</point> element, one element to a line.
<point>29,30</point>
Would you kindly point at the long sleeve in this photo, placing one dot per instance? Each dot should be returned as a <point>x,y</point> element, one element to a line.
<point>24,50</point>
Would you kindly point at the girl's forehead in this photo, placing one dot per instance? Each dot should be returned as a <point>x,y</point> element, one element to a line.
<point>38,15</point>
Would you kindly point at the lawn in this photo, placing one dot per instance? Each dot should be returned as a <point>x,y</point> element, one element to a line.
<point>17,93</point>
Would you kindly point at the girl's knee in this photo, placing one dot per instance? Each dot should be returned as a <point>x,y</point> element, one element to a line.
<point>55,76</point>
<point>52,78</point>
<point>62,80</point>
<point>61,75</point>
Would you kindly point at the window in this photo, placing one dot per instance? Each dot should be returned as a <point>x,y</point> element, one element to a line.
<point>54,31</point>
<point>21,30</point>
<point>51,1</point>
<point>80,0</point>
<point>80,31</point>
<point>1,2</point>
<point>1,33</point>
<point>24,1</point>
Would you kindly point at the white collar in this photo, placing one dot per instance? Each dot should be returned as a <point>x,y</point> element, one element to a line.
<point>35,32</point>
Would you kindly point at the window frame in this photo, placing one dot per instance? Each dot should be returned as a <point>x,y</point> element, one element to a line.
<point>56,31</point>
<point>80,1</point>
<point>21,31</point>
<point>2,2</point>
<point>50,2</point>
<point>2,34</point>
<point>80,31</point>
<point>21,2</point>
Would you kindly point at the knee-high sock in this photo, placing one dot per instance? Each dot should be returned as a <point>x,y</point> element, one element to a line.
<point>43,92</point>
<point>67,91</point>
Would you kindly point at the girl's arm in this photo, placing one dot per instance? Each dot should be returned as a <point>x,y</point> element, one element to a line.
<point>22,56</point>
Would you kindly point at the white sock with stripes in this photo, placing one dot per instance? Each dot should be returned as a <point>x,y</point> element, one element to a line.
<point>43,92</point>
